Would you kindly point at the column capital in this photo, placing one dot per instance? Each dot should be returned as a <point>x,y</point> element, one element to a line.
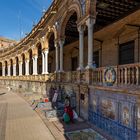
<point>61,42</point>
<point>27,60</point>
<point>35,57</point>
<point>90,21</point>
<point>20,62</point>
<point>46,51</point>
<point>81,28</point>
<point>32,47</point>
<point>56,43</point>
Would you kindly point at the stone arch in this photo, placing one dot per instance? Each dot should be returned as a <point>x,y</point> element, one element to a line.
<point>52,54</point>
<point>6,67</point>
<point>23,63</point>
<point>39,60</point>
<point>30,52</point>
<point>51,41</point>
<point>11,67</point>
<point>17,65</point>
<point>75,7</point>
<point>50,31</point>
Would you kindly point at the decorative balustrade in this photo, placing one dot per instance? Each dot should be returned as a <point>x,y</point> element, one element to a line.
<point>122,75</point>
<point>98,75</point>
<point>27,78</point>
<point>129,74</point>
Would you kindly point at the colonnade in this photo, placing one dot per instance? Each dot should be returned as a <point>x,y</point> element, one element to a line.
<point>59,46</point>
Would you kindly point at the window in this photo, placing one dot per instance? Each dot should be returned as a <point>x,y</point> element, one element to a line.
<point>126,53</point>
<point>74,61</point>
<point>96,58</point>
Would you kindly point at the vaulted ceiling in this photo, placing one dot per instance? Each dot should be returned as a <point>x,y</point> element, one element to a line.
<point>109,11</point>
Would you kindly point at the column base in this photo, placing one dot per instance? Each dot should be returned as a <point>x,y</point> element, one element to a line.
<point>35,74</point>
<point>80,69</point>
<point>56,71</point>
<point>61,71</point>
<point>89,67</point>
<point>46,72</point>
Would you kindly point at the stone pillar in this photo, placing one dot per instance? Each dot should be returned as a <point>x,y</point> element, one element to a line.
<point>81,47</point>
<point>27,67</point>
<point>61,43</point>
<point>14,69</point>
<point>9,70</point>
<point>46,52</point>
<point>35,65</point>
<point>3,71</point>
<point>20,68</point>
<point>43,62</point>
<point>56,57</point>
<point>90,23</point>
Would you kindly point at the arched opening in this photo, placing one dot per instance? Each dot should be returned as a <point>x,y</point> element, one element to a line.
<point>71,35</point>
<point>71,31</point>
<point>0,69</point>
<point>11,67</point>
<point>6,68</point>
<point>17,66</point>
<point>30,62</point>
<point>23,64</point>
<point>39,60</point>
<point>51,56</point>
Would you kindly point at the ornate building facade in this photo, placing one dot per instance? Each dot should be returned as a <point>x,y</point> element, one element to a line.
<point>90,49</point>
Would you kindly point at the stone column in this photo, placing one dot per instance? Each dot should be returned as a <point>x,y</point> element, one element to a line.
<point>27,67</point>
<point>43,62</point>
<point>3,71</point>
<point>46,52</point>
<point>20,68</point>
<point>14,69</point>
<point>9,70</point>
<point>56,57</point>
<point>90,23</point>
<point>35,65</point>
<point>81,47</point>
<point>61,43</point>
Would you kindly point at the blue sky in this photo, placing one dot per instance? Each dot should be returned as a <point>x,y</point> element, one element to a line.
<point>18,16</point>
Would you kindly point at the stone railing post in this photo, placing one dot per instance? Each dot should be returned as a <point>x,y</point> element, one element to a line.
<point>125,76</point>
<point>137,76</point>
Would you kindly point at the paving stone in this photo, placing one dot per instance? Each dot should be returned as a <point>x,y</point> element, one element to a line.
<point>19,122</point>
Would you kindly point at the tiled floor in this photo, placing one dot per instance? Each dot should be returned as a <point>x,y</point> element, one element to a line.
<point>19,122</point>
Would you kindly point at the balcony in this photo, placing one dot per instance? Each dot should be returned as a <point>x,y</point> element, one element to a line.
<point>121,75</point>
